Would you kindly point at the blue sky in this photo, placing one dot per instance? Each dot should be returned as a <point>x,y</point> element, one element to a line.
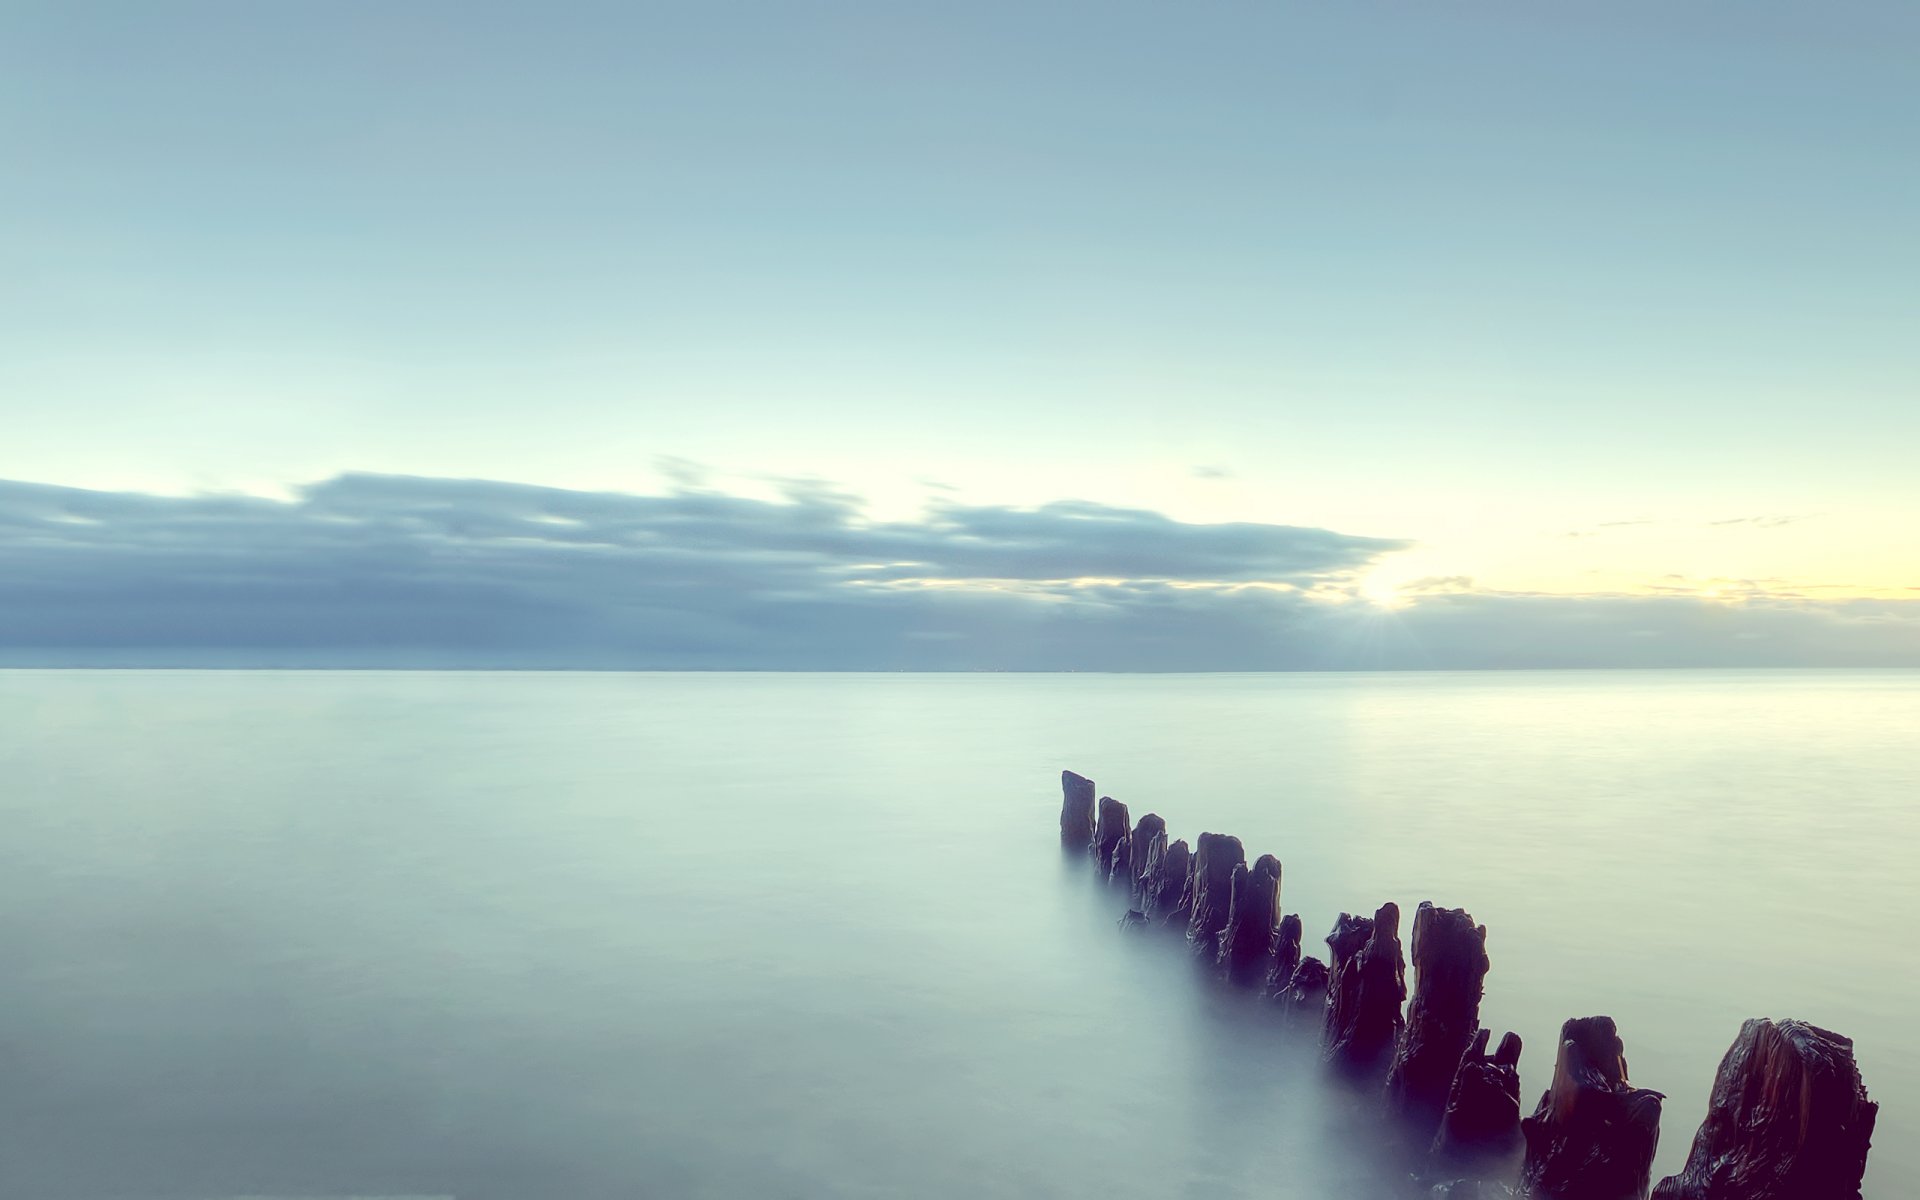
<point>1614,301</point>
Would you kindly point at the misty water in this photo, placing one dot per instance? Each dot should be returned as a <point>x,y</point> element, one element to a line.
<point>524,936</point>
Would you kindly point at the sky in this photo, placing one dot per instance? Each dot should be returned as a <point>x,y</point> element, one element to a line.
<point>1082,335</point>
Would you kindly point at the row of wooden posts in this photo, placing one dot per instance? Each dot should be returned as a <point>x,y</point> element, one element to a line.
<point>1789,1118</point>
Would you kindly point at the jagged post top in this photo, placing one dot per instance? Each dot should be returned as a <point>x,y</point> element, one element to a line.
<point>1220,847</point>
<point>1266,865</point>
<point>1480,1124</point>
<point>1440,933</point>
<point>1591,1054</point>
<point>1350,932</point>
<point>1508,1054</point>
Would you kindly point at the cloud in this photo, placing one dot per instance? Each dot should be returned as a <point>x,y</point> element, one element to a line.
<point>683,473</point>
<point>1763,522</point>
<point>1206,471</point>
<point>367,570</point>
<point>1435,585</point>
<point>1759,522</point>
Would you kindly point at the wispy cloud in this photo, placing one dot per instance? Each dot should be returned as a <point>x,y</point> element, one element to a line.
<point>393,570</point>
<point>683,473</point>
<point>1436,585</point>
<point>1762,522</point>
<point>1595,530</point>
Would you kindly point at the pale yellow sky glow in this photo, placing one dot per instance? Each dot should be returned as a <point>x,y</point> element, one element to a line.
<point>1550,546</point>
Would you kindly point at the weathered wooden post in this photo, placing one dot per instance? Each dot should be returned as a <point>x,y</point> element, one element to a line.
<point>1208,899</point>
<point>1109,833</point>
<point>1168,866</point>
<point>1253,923</point>
<point>1304,995</point>
<point>1789,1120</point>
<point>1149,834</point>
<point>1365,987</point>
<point>1450,967</point>
<point>1593,1135</point>
<point>1076,812</point>
<point>1481,1125</point>
<point>1286,954</point>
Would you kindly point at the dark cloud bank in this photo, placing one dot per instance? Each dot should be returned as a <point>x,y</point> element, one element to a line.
<point>373,571</point>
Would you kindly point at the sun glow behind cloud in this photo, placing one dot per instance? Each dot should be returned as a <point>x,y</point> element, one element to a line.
<point>1381,591</point>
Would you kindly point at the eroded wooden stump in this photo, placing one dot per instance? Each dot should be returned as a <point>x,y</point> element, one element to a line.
<point>1365,987</point>
<point>1208,900</point>
<point>1789,1120</point>
<point>1150,831</point>
<point>1481,1125</point>
<point>1253,923</point>
<point>1286,954</point>
<point>1076,811</point>
<point>1109,831</point>
<point>1304,995</point>
<point>1593,1135</point>
<point>1165,881</point>
<point>1450,969</point>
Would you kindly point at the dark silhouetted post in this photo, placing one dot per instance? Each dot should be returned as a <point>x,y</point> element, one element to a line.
<point>1208,899</point>
<point>1593,1135</point>
<point>1365,988</point>
<point>1165,882</point>
<point>1149,833</point>
<point>1286,954</point>
<point>1304,996</point>
<point>1450,968</point>
<point>1789,1120</point>
<point>1076,812</point>
<point>1253,923</point>
<point>1481,1125</point>
<point>1109,832</point>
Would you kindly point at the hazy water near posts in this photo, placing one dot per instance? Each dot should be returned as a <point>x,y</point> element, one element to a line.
<point>515,936</point>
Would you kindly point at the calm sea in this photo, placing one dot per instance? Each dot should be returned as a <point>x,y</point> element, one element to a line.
<point>534,937</point>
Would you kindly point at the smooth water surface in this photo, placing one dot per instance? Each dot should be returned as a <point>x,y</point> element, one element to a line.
<point>532,936</point>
